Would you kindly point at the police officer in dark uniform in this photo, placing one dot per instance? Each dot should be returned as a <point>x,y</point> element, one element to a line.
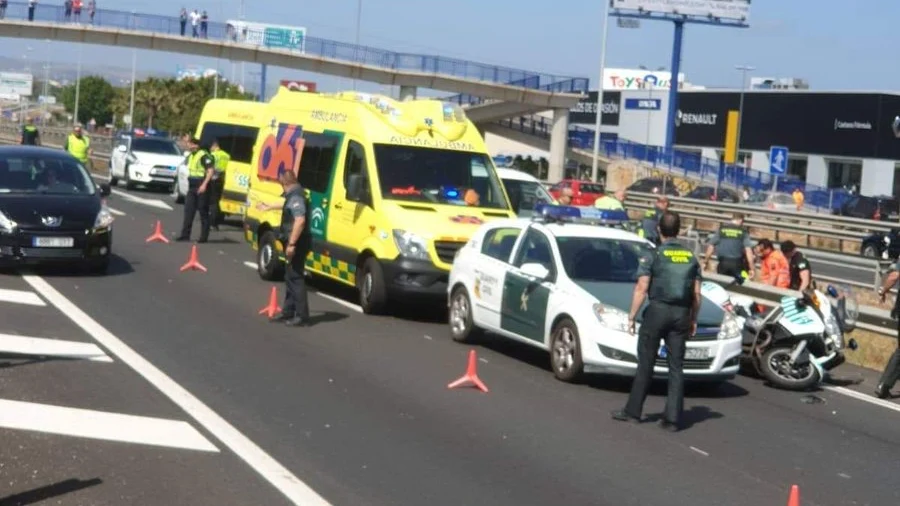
<point>201,168</point>
<point>801,273</point>
<point>650,222</point>
<point>733,248</point>
<point>670,276</point>
<point>892,370</point>
<point>30,134</point>
<point>294,235</point>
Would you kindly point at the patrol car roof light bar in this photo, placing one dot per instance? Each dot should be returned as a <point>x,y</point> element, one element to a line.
<point>548,213</point>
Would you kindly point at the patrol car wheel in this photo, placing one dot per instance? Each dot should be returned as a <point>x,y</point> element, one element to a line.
<point>372,291</point>
<point>268,265</point>
<point>565,351</point>
<point>462,328</point>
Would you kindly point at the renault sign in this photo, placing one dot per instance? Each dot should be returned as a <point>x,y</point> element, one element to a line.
<point>731,10</point>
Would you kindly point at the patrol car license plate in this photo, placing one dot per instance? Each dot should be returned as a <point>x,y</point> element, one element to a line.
<point>689,353</point>
<point>53,242</point>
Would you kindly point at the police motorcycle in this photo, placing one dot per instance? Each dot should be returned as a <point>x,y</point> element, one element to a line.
<point>794,344</point>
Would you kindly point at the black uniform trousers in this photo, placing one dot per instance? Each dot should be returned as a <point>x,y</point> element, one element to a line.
<point>891,373</point>
<point>296,300</point>
<point>194,203</point>
<point>672,324</point>
<point>731,267</point>
<point>216,187</point>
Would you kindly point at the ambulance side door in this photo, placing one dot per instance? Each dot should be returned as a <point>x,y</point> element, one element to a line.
<point>353,212</point>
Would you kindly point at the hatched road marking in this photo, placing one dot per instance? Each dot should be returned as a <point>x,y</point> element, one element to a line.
<point>261,462</point>
<point>42,347</point>
<point>21,297</point>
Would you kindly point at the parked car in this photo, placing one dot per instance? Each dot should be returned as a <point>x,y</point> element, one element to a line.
<point>524,191</point>
<point>654,185</point>
<point>882,207</point>
<point>584,193</point>
<point>882,245</point>
<point>709,193</point>
<point>53,212</point>
<point>777,201</point>
<point>150,161</point>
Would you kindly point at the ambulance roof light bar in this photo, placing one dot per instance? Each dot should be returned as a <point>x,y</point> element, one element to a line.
<point>548,213</point>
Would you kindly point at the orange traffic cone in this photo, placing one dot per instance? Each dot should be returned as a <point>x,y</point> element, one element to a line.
<point>471,376</point>
<point>794,499</point>
<point>272,308</point>
<point>193,263</point>
<point>157,235</point>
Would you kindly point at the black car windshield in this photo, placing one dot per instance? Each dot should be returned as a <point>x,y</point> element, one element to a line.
<point>525,195</point>
<point>155,146</point>
<point>438,176</point>
<point>31,174</point>
<point>598,259</point>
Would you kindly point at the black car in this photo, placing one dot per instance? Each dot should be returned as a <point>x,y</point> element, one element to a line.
<point>51,210</point>
<point>654,185</point>
<point>883,207</point>
<point>709,193</point>
<point>876,244</point>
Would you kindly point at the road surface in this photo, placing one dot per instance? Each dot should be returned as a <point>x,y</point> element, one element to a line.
<point>230,409</point>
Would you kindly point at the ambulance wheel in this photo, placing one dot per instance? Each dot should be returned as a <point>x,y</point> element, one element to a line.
<point>462,327</point>
<point>372,290</point>
<point>565,351</point>
<point>268,265</point>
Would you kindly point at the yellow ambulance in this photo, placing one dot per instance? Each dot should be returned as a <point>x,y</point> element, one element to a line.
<point>394,190</point>
<point>235,125</point>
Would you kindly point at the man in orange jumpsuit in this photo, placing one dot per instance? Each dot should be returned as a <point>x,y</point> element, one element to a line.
<point>775,270</point>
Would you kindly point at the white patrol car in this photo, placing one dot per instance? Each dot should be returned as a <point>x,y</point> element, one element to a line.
<point>565,286</point>
<point>144,160</point>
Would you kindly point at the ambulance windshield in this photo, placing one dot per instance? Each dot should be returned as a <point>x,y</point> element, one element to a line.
<point>438,176</point>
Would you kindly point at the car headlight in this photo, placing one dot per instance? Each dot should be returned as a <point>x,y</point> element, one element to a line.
<point>104,218</point>
<point>611,318</point>
<point>7,225</point>
<point>410,245</point>
<point>731,327</point>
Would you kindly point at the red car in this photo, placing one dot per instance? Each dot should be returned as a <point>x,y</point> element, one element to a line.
<point>584,193</point>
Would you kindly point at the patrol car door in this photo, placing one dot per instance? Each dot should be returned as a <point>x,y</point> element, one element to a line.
<point>489,272</point>
<point>523,312</point>
<point>118,157</point>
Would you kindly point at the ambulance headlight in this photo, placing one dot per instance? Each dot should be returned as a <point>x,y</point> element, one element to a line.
<point>731,327</point>
<point>410,245</point>
<point>611,318</point>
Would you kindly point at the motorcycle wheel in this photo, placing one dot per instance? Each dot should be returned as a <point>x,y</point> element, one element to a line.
<point>775,368</point>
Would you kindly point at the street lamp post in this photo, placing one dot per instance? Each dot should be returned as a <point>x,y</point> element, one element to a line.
<point>77,86</point>
<point>358,25</point>
<point>743,69</point>
<point>597,124</point>
<point>133,75</point>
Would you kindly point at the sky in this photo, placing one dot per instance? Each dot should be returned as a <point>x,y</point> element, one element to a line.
<point>833,45</point>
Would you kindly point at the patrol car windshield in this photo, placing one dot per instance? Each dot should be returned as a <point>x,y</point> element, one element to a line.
<point>155,146</point>
<point>595,259</point>
<point>438,176</point>
<point>525,194</point>
<point>44,175</point>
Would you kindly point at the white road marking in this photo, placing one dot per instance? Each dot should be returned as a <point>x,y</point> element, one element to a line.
<point>21,297</point>
<point>43,347</point>
<point>863,397</point>
<point>429,337</point>
<point>102,425</point>
<point>267,467</point>
<point>159,204</point>
<point>116,211</point>
<point>251,265</point>
<point>340,301</point>
<point>701,452</point>
<point>484,360</point>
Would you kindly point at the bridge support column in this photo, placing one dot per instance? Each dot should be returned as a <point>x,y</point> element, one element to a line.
<point>559,140</point>
<point>407,93</point>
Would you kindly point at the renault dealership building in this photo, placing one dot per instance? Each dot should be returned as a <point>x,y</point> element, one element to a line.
<point>835,139</point>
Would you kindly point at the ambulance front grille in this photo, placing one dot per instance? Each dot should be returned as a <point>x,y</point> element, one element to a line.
<point>447,249</point>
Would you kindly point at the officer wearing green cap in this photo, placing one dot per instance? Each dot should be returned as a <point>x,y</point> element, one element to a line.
<point>670,278</point>
<point>733,248</point>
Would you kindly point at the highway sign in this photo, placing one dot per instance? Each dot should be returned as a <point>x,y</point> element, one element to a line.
<point>778,160</point>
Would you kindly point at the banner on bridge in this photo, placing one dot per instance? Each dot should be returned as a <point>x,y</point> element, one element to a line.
<point>292,38</point>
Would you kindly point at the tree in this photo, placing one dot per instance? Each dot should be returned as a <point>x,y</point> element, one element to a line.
<point>95,98</point>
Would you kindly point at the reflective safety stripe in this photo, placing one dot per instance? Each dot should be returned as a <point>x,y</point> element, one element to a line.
<point>195,169</point>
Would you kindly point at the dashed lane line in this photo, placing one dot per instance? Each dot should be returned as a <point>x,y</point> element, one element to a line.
<point>43,347</point>
<point>280,477</point>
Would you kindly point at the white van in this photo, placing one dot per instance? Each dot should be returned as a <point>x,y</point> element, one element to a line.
<point>524,191</point>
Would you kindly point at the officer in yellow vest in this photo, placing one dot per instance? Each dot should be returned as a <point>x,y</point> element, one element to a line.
<point>611,202</point>
<point>30,134</point>
<point>79,145</point>
<point>218,183</point>
<point>201,167</point>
